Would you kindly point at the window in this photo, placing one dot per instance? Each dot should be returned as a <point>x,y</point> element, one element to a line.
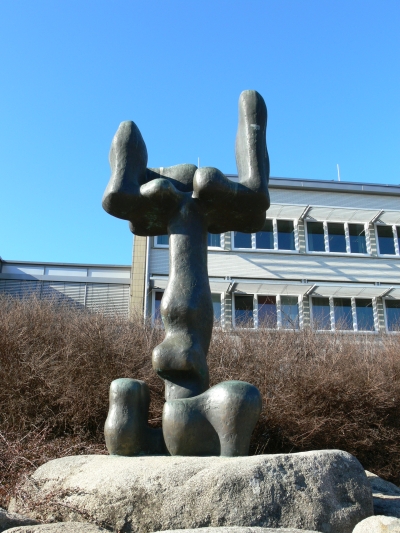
<point>365,315</point>
<point>358,243</point>
<point>290,312</point>
<point>275,235</point>
<point>336,237</point>
<point>321,313</point>
<point>241,240</point>
<point>161,240</point>
<point>393,314</point>
<point>348,314</point>
<point>285,235</point>
<point>157,304</point>
<point>244,311</point>
<point>216,302</point>
<point>343,313</point>
<point>316,236</point>
<point>214,240</point>
<point>386,239</point>
<point>265,238</point>
<point>267,313</point>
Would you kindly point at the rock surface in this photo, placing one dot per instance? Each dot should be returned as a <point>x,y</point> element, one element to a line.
<point>378,524</point>
<point>386,496</point>
<point>59,527</point>
<point>9,520</point>
<point>325,491</point>
<point>236,529</point>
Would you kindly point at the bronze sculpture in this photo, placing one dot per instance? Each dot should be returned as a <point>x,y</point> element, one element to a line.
<point>188,202</point>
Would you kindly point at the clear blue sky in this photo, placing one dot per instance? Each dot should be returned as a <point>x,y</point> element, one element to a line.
<point>72,70</point>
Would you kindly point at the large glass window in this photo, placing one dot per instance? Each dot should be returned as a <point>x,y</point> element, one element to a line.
<point>343,313</point>
<point>267,311</point>
<point>393,314</point>
<point>398,236</point>
<point>321,313</point>
<point>214,239</point>
<point>365,315</point>
<point>385,240</point>
<point>244,311</point>
<point>285,235</point>
<point>162,240</point>
<point>241,240</point>
<point>290,312</point>
<point>358,244</point>
<point>316,237</point>
<point>336,237</point>
<point>265,238</point>
<point>216,301</point>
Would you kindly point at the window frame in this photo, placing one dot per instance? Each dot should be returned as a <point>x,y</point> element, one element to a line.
<point>395,239</point>
<point>218,248</point>
<point>275,249</point>
<point>278,310</point>
<point>355,328</point>
<point>386,317</point>
<point>348,251</point>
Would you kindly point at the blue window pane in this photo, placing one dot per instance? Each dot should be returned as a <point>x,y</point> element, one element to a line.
<point>398,236</point>
<point>265,238</point>
<point>216,301</point>
<point>393,314</point>
<point>321,313</point>
<point>315,234</point>
<point>214,239</point>
<point>343,314</point>
<point>365,315</point>
<point>267,311</point>
<point>337,239</point>
<point>157,304</point>
<point>244,311</point>
<point>163,239</point>
<point>242,240</point>
<point>385,240</point>
<point>358,244</point>
<point>285,235</point>
<point>290,312</point>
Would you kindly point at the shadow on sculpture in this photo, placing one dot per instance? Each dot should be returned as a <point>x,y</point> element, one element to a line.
<point>187,202</point>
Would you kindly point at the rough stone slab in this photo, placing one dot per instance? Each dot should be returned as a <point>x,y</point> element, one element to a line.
<point>9,520</point>
<point>385,495</point>
<point>325,491</point>
<point>237,529</point>
<point>59,527</point>
<point>378,524</point>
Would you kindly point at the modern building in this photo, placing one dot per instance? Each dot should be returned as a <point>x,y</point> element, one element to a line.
<point>328,255</point>
<point>95,287</point>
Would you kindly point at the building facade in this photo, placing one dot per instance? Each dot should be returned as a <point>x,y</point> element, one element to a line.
<point>103,288</point>
<point>328,256</point>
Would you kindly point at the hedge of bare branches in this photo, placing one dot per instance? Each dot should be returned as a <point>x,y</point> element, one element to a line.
<point>320,390</point>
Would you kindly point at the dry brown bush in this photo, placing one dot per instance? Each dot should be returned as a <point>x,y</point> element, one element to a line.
<point>320,390</point>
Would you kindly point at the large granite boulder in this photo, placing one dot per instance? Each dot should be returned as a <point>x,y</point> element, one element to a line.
<point>386,496</point>
<point>378,524</point>
<point>325,491</point>
<point>9,520</point>
<point>59,527</point>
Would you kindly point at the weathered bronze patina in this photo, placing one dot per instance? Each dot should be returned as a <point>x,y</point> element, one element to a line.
<point>186,203</point>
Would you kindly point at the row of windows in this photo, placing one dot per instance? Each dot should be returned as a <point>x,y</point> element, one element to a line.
<point>340,314</point>
<point>329,237</point>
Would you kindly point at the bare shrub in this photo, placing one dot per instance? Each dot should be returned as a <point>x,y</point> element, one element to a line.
<point>320,390</point>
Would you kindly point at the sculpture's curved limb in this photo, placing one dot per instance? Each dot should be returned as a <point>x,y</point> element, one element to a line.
<point>239,206</point>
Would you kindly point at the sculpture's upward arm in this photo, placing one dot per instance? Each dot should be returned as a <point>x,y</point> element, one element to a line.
<point>239,206</point>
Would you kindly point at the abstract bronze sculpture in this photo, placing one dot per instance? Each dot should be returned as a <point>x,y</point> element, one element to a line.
<point>186,203</point>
